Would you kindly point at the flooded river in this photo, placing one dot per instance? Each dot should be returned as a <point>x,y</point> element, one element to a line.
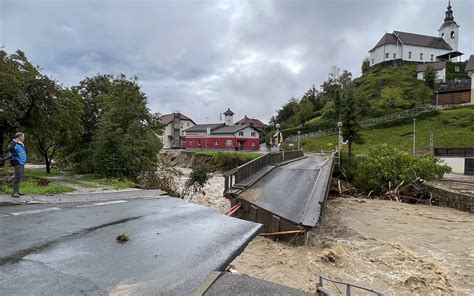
<point>397,248</point>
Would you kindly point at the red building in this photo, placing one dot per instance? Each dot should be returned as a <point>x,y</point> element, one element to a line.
<point>222,136</point>
<point>254,122</point>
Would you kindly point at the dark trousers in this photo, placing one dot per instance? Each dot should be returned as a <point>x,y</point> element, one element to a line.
<point>19,170</point>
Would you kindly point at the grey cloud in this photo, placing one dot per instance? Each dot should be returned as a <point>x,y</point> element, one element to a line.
<point>202,57</point>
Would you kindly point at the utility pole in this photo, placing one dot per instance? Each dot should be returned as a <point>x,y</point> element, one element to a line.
<point>299,136</point>
<point>414,136</point>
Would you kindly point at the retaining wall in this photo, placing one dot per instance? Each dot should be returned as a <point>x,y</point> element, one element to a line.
<point>451,198</point>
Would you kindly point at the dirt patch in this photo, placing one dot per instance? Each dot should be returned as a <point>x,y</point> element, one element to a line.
<point>185,159</point>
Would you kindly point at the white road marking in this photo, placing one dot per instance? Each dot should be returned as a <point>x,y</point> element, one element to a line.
<point>102,203</point>
<point>109,202</point>
<point>34,211</point>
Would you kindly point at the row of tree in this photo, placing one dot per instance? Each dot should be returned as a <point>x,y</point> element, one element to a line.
<point>335,101</point>
<point>102,125</point>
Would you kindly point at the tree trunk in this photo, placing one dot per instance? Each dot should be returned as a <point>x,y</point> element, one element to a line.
<point>2,139</point>
<point>48,165</point>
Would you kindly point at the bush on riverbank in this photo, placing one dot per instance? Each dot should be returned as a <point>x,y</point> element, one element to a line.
<point>386,166</point>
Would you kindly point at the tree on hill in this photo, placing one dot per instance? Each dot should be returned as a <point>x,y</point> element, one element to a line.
<point>429,76</point>
<point>365,66</point>
<point>350,116</point>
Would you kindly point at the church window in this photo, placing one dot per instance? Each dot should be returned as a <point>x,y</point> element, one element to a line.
<point>456,68</point>
<point>432,57</point>
<point>421,56</point>
<point>394,56</point>
<point>372,61</point>
<point>386,55</point>
<point>442,34</point>
<point>452,34</point>
<point>409,54</point>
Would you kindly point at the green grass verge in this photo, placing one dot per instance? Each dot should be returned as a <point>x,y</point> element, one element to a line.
<point>249,155</point>
<point>450,128</point>
<point>38,173</point>
<point>30,187</point>
<point>114,183</point>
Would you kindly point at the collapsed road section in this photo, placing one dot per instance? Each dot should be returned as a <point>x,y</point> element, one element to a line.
<point>289,199</point>
<point>172,247</point>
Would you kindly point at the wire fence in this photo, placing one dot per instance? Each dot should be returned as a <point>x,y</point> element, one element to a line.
<point>374,121</point>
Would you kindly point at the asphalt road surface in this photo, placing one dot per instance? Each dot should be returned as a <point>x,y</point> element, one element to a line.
<point>72,249</point>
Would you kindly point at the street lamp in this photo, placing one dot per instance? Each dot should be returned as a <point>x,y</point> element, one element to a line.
<point>339,125</point>
<point>414,136</point>
<point>299,136</point>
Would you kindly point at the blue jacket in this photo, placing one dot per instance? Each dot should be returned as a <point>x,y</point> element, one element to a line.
<point>17,153</point>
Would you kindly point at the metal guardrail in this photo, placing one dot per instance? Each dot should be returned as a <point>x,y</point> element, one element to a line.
<point>322,291</point>
<point>246,170</point>
<point>377,120</point>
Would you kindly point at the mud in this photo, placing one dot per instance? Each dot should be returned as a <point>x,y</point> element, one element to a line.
<point>397,248</point>
<point>185,159</point>
<point>213,192</point>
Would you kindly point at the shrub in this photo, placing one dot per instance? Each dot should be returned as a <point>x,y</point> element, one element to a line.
<point>197,180</point>
<point>386,165</point>
<point>163,176</point>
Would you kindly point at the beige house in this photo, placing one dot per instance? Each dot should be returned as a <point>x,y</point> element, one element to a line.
<point>174,126</point>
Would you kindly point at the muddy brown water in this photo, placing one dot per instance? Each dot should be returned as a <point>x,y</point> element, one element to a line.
<point>397,248</point>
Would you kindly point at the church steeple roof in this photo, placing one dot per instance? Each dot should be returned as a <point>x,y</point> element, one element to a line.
<point>449,13</point>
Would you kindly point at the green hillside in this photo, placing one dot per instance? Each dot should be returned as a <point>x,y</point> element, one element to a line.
<point>451,128</point>
<point>384,89</point>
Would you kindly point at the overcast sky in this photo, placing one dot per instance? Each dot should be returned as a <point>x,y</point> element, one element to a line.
<point>202,57</point>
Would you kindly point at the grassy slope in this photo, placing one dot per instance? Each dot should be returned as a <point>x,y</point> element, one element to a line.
<point>451,128</point>
<point>407,92</point>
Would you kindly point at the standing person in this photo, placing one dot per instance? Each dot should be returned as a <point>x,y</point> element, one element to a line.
<point>18,156</point>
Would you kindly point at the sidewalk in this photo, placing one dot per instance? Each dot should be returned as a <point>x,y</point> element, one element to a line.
<point>7,200</point>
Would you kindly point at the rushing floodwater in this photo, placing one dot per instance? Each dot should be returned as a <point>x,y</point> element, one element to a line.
<point>398,248</point>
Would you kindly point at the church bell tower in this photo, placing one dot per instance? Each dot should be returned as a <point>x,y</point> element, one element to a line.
<point>449,30</point>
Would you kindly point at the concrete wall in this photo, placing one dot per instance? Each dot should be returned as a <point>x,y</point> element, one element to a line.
<point>456,163</point>
<point>440,75</point>
<point>450,198</point>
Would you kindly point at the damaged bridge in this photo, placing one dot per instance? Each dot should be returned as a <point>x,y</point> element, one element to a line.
<point>284,191</point>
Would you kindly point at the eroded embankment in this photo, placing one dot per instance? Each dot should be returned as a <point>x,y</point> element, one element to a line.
<point>185,159</point>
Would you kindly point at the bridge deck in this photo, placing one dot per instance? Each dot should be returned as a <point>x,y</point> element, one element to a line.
<point>294,191</point>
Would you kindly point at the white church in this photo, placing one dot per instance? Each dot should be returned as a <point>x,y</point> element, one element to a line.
<point>419,48</point>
